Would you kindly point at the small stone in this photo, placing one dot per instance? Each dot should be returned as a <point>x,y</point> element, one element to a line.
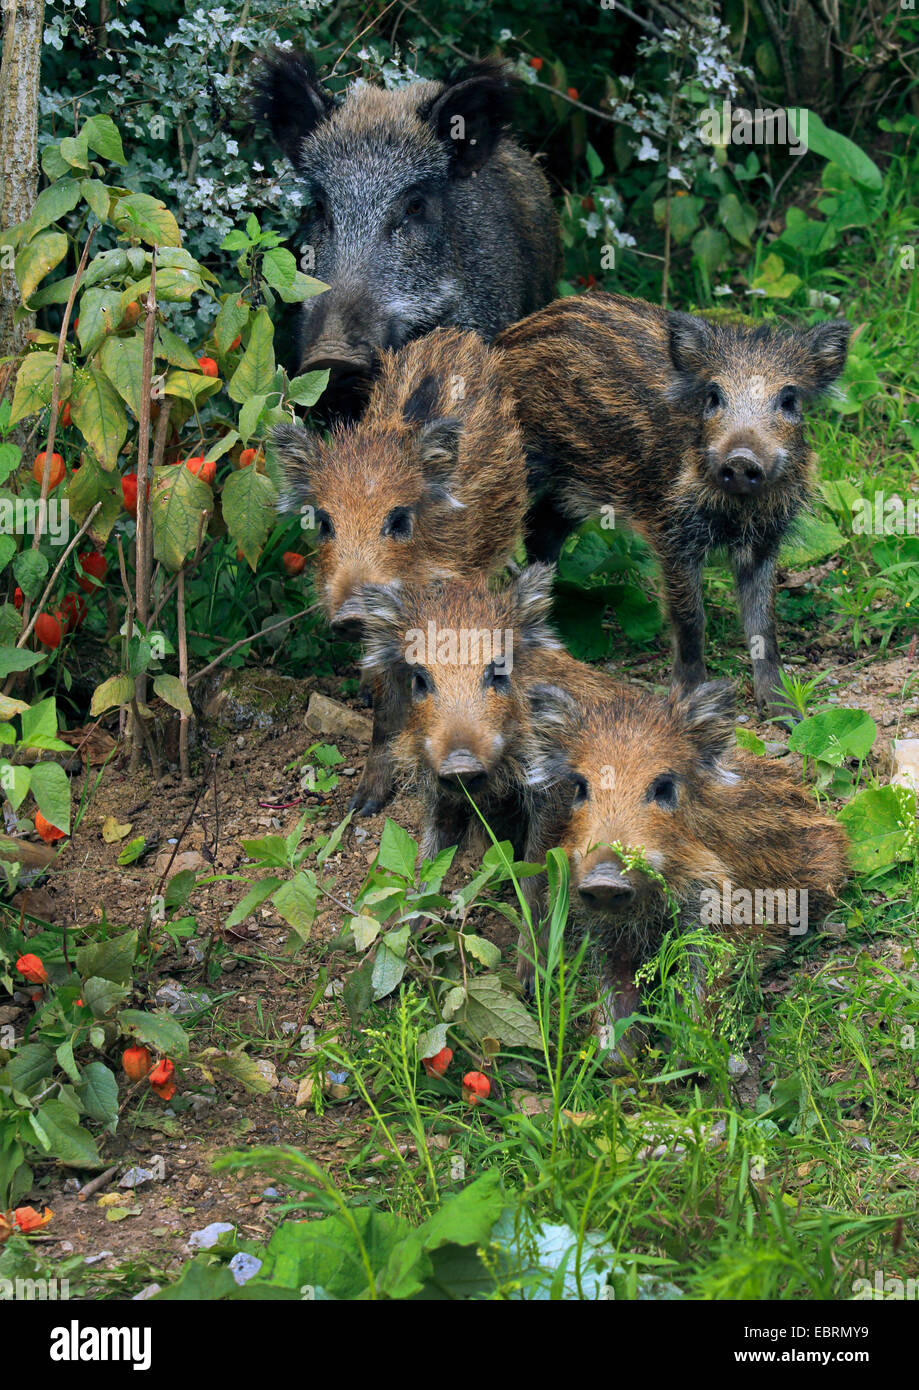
<point>335,720</point>
<point>136,1177</point>
<point>229,965</point>
<point>347,772</point>
<point>243,1267</point>
<point>240,741</point>
<point>737,1066</point>
<point>208,1236</point>
<point>271,1194</point>
<point>72,1185</point>
<point>304,1093</point>
<point>333,989</point>
<point>146,1292</point>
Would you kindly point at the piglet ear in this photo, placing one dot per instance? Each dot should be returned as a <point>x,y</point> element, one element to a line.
<point>533,591</point>
<point>289,96</point>
<point>385,623</point>
<point>437,445</point>
<point>556,718</point>
<point>692,345</point>
<point>827,345</point>
<point>471,114</point>
<point>298,453</point>
<point>708,716</point>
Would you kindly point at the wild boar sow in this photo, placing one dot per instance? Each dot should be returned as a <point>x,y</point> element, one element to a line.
<point>661,802</point>
<point>420,210</point>
<point>691,433</point>
<point>429,484</point>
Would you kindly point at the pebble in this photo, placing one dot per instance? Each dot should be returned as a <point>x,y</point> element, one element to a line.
<point>208,1236</point>
<point>737,1066</point>
<point>243,1267</point>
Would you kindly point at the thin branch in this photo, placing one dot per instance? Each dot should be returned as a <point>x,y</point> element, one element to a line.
<point>263,632</point>
<point>50,585</point>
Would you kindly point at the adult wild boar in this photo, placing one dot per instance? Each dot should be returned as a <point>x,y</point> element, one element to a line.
<point>420,210</point>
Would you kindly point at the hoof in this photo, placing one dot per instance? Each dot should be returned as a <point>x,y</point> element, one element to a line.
<point>365,805</point>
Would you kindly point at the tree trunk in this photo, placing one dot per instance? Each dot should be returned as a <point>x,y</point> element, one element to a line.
<point>23,24</point>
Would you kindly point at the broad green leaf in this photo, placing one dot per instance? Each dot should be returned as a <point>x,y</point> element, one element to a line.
<point>75,150</point>
<point>838,149</point>
<point>240,1067</point>
<point>30,570</point>
<point>15,780</point>
<point>491,1012</point>
<point>29,1064</point>
<point>147,218</point>
<point>99,1094</point>
<point>157,1029</point>
<point>52,204</point>
<point>388,969</point>
<point>71,1145</point>
<point>101,134</point>
<point>306,390</point>
<point>122,361</point>
<point>177,502</point>
<point>812,539</point>
<point>65,1060</point>
<point>177,353</point>
<point>171,689</point>
<point>51,790</point>
<point>16,659</point>
<point>133,851</point>
<point>432,1041</point>
<point>102,996</point>
<point>100,314</point>
<point>98,414</point>
<point>736,218</point>
<point>296,902</point>
<point>248,505</point>
<point>98,197</point>
<point>34,383</point>
<point>110,960</point>
<point>37,258</point>
<point>191,386</point>
<point>484,951</point>
<point>39,722</point>
<point>230,322</point>
<point>398,851</point>
<point>114,692</point>
<point>106,265</point>
<point>834,735</point>
<point>365,931</point>
<point>222,446</point>
<point>279,268</point>
<point>255,373</point>
<point>253,899</point>
<point>249,415</point>
<point>87,486</point>
<point>880,823</point>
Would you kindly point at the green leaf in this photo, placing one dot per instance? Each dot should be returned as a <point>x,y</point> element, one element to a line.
<point>39,721</point>
<point>838,149</point>
<point>52,204</point>
<point>737,218</point>
<point>230,322</point>
<point>178,500</point>
<point>482,950</point>
<point>105,266</point>
<point>365,931</point>
<point>91,484</point>
<point>16,782</point>
<point>880,823</point>
<point>100,314</point>
<point>773,279</point>
<point>102,996</point>
<point>65,1060</point>
<point>253,899</point>
<point>30,570</point>
<point>296,902</point>
<point>70,1144</point>
<point>16,659</point>
<point>169,345</point>
<point>834,735</point>
<point>248,505</point>
<point>29,1064</point>
<point>98,414</point>
<point>222,446</point>
<point>432,1041</point>
<point>97,196</point>
<point>171,689</point>
<point>34,382</point>
<point>37,258</point>
<point>143,216</point>
<point>388,969</point>
<point>466,1217</point>
<point>132,851</point>
<point>747,739</point>
<point>75,150</point>
<point>306,390</point>
<point>99,1094</point>
<point>812,539</point>
<point>357,995</point>
<point>110,960</point>
<point>398,851</point>
<point>111,694</point>
<point>491,1012</point>
<point>249,415</point>
<point>51,790</point>
<point>255,373</point>
<point>122,361</point>
<point>156,1029</point>
<point>101,135</point>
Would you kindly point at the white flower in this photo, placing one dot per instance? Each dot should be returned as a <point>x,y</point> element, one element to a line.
<point>646,150</point>
<point>677,174</point>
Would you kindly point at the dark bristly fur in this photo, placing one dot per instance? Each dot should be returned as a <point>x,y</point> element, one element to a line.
<point>421,210</point>
<point>662,417</point>
<point>429,484</point>
<point>664,776</point>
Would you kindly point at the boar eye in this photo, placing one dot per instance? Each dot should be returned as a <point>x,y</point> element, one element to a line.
<point>714,398</point>
<point>496,678</point>
<point>414,207</point>
<point>581,790</point>
<point>324,526</point>
<point>662,791</point>
<point>399,524</point>
<point>422,685</point>
<point>788,401</point>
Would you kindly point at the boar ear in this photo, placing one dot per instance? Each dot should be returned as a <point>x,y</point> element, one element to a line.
<point>533,591</point>
<point>290,97</point>
<point>826,345</point>
<point>556,718</point>
<point>708,714</point>
<point>384,626</point>
<point>298,454</point>
<point>437,446</point>
<point>692,343</point>
<point>471,114</point>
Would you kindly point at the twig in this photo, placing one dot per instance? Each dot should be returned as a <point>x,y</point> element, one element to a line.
<point>142,546</point>
<point>96,1185</point>
<point>183,674</point>
<point>262,632</point>
<point>50,585</point>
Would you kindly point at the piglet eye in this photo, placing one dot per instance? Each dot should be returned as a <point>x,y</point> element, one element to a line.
<point>663,791</point>
<point>496,678</point>
<point>789,401</point>
<point>399,524</point>
<point>422,684</point>
<point>324,526</point>
<point>581,790</point>
<point>714,399</point>
<point>415,206</point>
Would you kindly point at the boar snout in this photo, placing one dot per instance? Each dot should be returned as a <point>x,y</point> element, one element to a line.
<point>739,472</point>
<point>464,767</point>
<point>347,623</point>
<point>605,888</point>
